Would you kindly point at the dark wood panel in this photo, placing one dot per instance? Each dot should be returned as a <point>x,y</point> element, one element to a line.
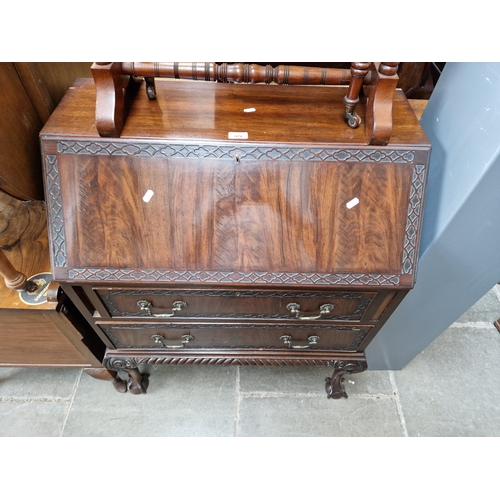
<point>231,335</point>
<point>227,303</point>
<point>247,216</point>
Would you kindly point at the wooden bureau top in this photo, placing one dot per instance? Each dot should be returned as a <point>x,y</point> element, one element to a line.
<point>302,202</point>
<point>206,111</point>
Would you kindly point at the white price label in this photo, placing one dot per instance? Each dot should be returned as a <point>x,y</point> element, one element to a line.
<point>352,203</point>
<point>237,135</point>
<point>149,194</point>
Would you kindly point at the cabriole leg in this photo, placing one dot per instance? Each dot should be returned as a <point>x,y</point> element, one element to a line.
<point>108,375</point>
<point>138,382</point>
<point>334,385</point>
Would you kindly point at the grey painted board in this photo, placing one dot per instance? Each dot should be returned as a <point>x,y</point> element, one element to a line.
<point>460,244</point>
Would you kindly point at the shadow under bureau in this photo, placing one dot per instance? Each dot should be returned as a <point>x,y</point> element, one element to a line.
<point>233,224</point>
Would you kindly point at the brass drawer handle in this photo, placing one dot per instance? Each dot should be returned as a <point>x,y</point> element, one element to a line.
<point>177,306</point>
<point>159,339</point>
<point>312,339</point>
<point>323,311</point>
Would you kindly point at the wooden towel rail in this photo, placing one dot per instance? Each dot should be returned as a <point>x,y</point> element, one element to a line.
<point>378,81</point>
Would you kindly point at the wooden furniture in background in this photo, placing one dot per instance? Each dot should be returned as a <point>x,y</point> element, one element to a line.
<point>49,331</point>
<point>39,325</point>
<point>233,224</point>
<point>20,169</point>
<point>417,79</point>
<point>30,92</point>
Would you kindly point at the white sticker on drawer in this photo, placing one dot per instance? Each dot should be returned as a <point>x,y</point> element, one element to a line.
<point>352,203</point>
<point>249,110</point>
<point>149,194</point>
<point>237,135</point>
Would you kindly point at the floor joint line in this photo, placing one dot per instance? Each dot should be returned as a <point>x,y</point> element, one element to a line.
<point>398,403</point>
<point>237,403</point>
<point>71,398</point>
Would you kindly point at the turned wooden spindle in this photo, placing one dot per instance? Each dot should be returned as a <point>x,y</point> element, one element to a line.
<point>238,73</point>
<point>13,278</point>
<point>359,71</point>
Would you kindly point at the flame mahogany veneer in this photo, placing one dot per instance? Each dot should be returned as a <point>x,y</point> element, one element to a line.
<point>233,224</point>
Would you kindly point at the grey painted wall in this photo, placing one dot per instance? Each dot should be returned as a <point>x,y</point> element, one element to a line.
<point>460,244</point>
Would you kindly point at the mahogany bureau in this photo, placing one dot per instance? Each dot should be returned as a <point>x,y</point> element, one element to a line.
<point>233,224</point>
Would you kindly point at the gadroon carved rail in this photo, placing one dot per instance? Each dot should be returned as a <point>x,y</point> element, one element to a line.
<point>378,80</point>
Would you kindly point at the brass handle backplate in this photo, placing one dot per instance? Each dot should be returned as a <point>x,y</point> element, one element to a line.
<point>312,341</point>
<point>159,339</point>
<point>177,306</point>
<point>323,311</point>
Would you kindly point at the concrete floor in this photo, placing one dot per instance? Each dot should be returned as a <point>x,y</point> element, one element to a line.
<point>450,389</point>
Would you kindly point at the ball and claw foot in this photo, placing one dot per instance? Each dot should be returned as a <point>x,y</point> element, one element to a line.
<point>334,386</point>
<point>136,384</point>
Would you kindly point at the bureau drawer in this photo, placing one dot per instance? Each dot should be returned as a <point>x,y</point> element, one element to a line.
<point>233,335</point>
<point>233,304</point>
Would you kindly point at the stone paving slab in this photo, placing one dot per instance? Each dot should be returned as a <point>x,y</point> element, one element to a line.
<point>32,418</point>
<point>181,401</point>
<point>318,417</point>
<point>46,383</point>
<point>309,379</point>
<point>453,387</point>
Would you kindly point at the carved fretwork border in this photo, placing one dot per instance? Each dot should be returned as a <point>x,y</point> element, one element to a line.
<point>235,277</point>
<point>54,202</point>
<point>207,151</point>
<point>230,152</point>
<point>413,219</point>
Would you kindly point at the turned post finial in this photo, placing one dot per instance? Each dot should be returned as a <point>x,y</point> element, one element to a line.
<point>13,278</point>
<point>388,68</point>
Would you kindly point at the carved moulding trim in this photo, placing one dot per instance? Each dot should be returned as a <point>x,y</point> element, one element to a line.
<point>236,293</point>
<point>227,277</point>
<point>54,202</point>
<point>413,219</point>
<point>350,366</point>
<point>217,151</point>
<point>120,363</point>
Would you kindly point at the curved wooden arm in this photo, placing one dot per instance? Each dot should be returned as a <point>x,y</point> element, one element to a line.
<point>14,279</point>
<point>379,105</point>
